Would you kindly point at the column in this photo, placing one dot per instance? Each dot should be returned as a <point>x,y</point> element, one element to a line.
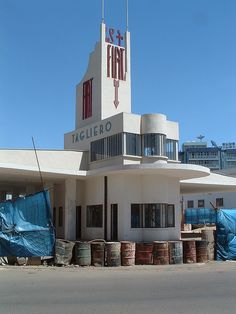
<point>70,209</point>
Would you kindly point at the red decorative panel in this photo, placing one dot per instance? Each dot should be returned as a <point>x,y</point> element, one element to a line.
<point>87,98</point>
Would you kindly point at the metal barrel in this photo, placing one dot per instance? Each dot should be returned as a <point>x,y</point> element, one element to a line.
<point>209,237</point>
<point>160,253</point>
<point>201,251</point>
<point>83,253</point>
<point>127,253</point>
<point>143,254</point>
<point>175,252</point>
<point>112,254</point>
<point>189,252</point>
<point>98,251</point>
<point>63,252</point>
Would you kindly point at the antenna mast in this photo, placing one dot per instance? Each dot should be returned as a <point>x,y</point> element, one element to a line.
<point>103,11</point>
<point>127,15</point>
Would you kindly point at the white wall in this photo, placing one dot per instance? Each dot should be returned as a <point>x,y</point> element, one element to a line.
<point>228,197</point>
<point>127,189</point>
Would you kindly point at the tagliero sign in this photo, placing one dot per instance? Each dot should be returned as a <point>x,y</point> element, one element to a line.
<point>91,132</point>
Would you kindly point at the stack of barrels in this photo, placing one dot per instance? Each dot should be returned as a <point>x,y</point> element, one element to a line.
<point>127,253</point>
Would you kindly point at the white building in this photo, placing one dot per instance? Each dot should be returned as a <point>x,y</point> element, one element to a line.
<point>118,177</point>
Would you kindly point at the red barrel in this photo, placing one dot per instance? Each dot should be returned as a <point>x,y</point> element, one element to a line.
<point>127,253</point>
<point>201,251</point>
<point>208,236</point>
<point>160,253</point>
<point>189,250</point>
<point>143,254</point>
<point>98,251</point>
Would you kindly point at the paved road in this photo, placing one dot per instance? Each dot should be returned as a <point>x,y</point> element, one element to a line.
<point>200,288</point>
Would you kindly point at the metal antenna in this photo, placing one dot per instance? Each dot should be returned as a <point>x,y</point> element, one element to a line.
<point>127,15</point>
<point>103,10</point>
<point>41,177</point>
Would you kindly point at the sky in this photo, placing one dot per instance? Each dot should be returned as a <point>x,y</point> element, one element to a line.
<point>183,64</point>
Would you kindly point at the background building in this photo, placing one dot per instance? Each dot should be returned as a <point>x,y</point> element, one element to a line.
<point>214,157</point>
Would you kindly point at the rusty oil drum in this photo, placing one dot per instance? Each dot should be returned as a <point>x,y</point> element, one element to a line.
<point>112,253</point>
<point>98,253</point>
<point>189,252</point>
<point>143,254</point>
<point>127,253</point>
<point>201,251</point>
<point>175,252</point>
<point>160,253</point>
<point>83,253</point>
<point>208,236</point>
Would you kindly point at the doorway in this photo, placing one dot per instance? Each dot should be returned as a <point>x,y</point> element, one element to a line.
<point>114,222</point>
<point>78,222</point>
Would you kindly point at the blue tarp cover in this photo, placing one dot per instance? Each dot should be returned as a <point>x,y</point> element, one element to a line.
<point>26,227</point>
<point>199,216</point>
<point>226,235</point>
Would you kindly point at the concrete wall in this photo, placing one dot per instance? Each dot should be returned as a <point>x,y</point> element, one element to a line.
<point>127,189</point>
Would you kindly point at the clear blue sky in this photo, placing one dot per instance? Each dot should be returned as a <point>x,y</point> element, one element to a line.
<point>183,64</point>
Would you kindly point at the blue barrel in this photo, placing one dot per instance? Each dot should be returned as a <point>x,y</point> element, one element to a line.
<point>175,252</point>
<point>83,253</point>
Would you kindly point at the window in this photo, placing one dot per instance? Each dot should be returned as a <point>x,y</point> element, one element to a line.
<point>172,149</point>
<point>95,216</point>
<point>133,144</point>
<point>154,144</point>
<point>60,218</point>
<point>219,202</point>
<point>201,203</point>
<point>152,215</point>
<point>190,204</point>
<point>87,99</point>
<point>170,216</point>
<point>107,147</point>
<point>136,216</point>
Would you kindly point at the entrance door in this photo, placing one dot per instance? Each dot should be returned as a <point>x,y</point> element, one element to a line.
<point>78,222</point>
<point>114,222</point>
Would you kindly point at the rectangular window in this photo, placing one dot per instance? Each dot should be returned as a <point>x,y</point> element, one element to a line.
<point>201,203</point>
<point>133,144</point>
<point>219,202</point>
<point>60,217</point>
<point>136,216</point>
<point>190,204</point>
<point>95,216</point>
<point>172,149</point>
<point>152,215</point>
<point>107,147</point>
<point>170,216</point>
<point>87,99</point>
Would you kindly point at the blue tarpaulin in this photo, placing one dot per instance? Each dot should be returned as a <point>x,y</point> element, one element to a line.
<point>226,235</point>
<point>26,227</point>
<point>199,216</point>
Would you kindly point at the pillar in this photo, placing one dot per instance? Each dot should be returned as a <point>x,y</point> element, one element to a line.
<point>70,209</point>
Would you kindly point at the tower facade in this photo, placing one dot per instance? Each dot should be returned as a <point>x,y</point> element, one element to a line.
<point>105,89</point>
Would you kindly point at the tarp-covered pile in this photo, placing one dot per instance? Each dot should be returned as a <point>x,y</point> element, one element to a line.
<point>226,234</point>
<point>26,227</point>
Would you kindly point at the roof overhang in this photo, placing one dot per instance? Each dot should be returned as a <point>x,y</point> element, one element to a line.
<point>213,183</point>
